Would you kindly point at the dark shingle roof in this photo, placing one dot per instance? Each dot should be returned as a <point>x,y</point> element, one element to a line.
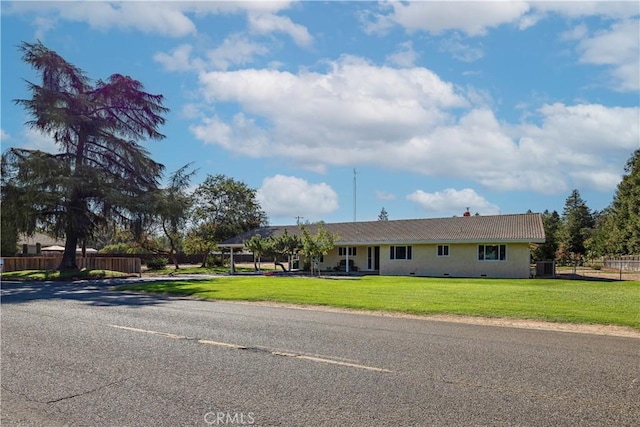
<point>495,228</point>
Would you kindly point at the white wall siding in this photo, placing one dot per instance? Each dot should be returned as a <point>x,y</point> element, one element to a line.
<point>461,262</point>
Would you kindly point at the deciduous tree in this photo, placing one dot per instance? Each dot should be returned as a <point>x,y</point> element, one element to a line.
<point>257,246</point>
<point>317,245</point>
<point>173,207</point>
<point>223,208</point>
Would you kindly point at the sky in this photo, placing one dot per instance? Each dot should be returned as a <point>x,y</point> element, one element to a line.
<point>334,110</point>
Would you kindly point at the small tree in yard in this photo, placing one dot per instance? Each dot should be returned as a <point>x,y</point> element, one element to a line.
<point>257,246</point>
<point>173,205</point>
<point>100,173</point>
<point>317,245</point>
<point>198,241</point>
<point>288,245</point>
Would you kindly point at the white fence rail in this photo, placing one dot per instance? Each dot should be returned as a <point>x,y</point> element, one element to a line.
<point>623,263</point>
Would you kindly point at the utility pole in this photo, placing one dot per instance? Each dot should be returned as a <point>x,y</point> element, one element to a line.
<point>354,194</point>
<point>298,218</point>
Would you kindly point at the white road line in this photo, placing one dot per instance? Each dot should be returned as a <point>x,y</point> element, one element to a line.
<point>240,347</point>
<point>146,331</point>
<point>222,344</point>
<point>330,361</point>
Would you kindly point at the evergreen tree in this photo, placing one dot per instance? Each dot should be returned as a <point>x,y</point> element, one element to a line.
<point>618,232</point>
<point>548,249</point>
<point>100,173</point>
<point>578,222</point>
<point>384,216</point>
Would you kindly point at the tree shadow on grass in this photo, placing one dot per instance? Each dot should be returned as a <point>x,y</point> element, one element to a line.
<point>95,293</point>
<point>571,276</point>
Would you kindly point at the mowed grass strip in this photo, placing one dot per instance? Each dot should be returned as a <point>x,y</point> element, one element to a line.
<point>555,300</point>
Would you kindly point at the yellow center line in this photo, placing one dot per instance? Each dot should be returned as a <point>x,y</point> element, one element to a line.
<point>240,347</point>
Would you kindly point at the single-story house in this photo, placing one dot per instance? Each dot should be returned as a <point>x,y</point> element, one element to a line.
<point>468,246</point>
<point>32,245</point>
<point>45,245</point>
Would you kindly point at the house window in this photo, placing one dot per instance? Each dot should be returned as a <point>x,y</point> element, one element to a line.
<point>342,251</point>
<point>492,252</point>
<point>400,252</point>
<point>443,250</point>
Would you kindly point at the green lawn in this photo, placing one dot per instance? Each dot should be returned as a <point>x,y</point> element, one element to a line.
<point>170,269</point>
<point>573,301</point>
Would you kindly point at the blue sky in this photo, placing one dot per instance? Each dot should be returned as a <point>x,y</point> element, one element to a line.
<point>438,106</point>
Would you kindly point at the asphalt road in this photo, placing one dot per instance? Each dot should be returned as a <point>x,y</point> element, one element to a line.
<point>82,355</point>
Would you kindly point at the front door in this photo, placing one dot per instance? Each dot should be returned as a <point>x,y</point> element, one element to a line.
<point>373,258</point>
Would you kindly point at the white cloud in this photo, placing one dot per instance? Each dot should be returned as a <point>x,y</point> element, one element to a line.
<point>580,9</point>
<point>165,18</point>
<point>35,140</point>
<point>475,18</point>
<point>266,23</point>
<point>190,111</point>
<point>384,195</point>
<point>289,196</point>
<point>619,48</point>
<point>471,18</point>
<point>405,55</point>
<point>461,51</point>
<point>236,49</point>
<point>178,60</point>
<point>588,127</point>
<point>4,136</point>
<point>598,180</point>
<point>453,202</point>
<point>576,33</point>
<point>411,120</point>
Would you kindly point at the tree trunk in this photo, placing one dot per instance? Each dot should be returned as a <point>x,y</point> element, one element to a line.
<point>69,256</point>
<point>205,258</point>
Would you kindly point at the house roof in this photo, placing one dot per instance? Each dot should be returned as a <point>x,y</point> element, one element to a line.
<point>525,228</point>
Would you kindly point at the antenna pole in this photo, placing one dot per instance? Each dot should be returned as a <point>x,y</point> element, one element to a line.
<point>354,195</point>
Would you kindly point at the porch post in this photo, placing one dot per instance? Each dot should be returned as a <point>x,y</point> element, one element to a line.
<point>347,265</point>
<point>233,269</point>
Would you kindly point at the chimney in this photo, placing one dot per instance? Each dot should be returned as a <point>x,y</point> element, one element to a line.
<point>467,213</point>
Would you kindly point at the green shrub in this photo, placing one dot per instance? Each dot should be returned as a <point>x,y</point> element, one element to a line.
<point>123,248</point>
<point>157,263</point>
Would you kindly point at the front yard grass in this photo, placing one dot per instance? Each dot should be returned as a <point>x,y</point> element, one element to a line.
<point>555,300</point>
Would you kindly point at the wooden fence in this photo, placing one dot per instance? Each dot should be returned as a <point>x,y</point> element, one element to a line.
<point>623,263</point>
<point>124,265</point>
